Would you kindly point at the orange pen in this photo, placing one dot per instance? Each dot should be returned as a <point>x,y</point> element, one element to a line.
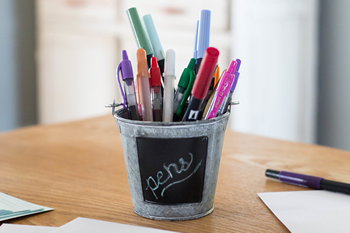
<point>216,76</point>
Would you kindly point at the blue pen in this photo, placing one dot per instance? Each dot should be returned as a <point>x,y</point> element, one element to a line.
<point>203,37</point>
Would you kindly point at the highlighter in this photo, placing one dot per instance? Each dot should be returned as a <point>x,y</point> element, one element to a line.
<point>144,89</point>
<point>140,35</point>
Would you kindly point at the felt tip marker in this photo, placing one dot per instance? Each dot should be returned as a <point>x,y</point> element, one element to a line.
<point>143,77</point>
<point>158,51</point>
<point>169,76</point>
<point>223,87</point>
<point>201,84</point>
<point>203,36</point>
<point>156,94</point>
<point>183,83</point>
<point>140,35</point>
<point>312,182</point>
<point>127,74</point>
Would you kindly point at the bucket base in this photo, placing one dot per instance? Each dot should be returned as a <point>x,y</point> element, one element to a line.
<point>169,218</point>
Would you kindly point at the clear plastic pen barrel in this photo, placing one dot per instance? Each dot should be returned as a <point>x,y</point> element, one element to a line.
<point>131,98</point>
<point>156,96</point>
<point>178,97</point>
<point>145,99</point>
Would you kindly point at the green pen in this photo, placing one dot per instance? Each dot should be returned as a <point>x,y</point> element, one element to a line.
<point>183,83</point>
<point>190,77</point>
<point>140,35</point>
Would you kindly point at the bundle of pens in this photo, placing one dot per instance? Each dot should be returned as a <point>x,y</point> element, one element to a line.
<point>201,93</point>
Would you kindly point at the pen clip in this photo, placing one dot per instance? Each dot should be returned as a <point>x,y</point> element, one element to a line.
<point>119,68</point>
<point>113,106</point>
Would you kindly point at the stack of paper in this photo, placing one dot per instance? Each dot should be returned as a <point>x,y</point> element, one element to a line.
<point>11,207</point>
<point>80,225</point>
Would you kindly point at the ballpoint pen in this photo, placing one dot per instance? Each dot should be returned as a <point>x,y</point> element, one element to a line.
<point>155,41</point>
<point>221,90</point>
<point>126,70</point>
<point>156,94</point>
<point>140,33</point>
<point>203,37</point>
<point>201,84</point>
<point>210,99</point>
<point>187,93</point>
<point>169,76</point>
<point>216,75</point>
<point>183,83</point>
<point>228,97</point>
<point>143,81</point>
<point>313,182</point>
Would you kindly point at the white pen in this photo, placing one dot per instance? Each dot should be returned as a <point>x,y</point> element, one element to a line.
<point>169,76</point>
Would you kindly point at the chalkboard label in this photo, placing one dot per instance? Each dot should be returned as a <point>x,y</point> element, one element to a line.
<point>172,170</point>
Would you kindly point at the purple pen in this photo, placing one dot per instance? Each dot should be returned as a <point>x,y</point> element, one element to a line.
<point>313,182</point>
<point>228,97</point>
<point>129,87</point>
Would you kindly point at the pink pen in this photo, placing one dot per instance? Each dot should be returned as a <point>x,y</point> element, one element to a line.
<point>221,91</point>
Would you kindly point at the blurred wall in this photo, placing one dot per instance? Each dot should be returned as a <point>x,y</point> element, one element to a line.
<point>17,64</point>
<point>334,74</point>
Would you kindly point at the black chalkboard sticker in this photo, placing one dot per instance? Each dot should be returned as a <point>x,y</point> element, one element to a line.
<point>172,170</point>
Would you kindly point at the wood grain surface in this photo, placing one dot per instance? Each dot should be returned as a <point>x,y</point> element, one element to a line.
<point>78,169</point>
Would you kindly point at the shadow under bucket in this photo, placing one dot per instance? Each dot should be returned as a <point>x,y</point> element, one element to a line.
<point>172,167</point>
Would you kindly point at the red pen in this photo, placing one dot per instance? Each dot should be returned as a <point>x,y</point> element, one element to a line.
<point>201,84</point>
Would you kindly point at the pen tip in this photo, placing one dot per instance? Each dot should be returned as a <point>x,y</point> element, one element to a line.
<point>125,55</point>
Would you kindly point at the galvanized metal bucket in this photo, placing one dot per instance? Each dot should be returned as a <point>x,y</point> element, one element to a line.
<point>172,167</point>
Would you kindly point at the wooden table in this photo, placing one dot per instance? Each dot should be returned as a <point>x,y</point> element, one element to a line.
<point>78,169</point>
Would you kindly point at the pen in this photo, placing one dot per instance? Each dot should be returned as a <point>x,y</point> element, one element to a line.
<point>187,93</point>
<point>156,94</point>
<point>228,97</point>
<point>216,75</point>
<point>155,41</point>
<point>201,84</point>
<point>169,76</point>
<point>203,37</point>
<point>139,33</point>
<point>143,81</point>
<point>312,182</point>
<point>210,99</point>
<point>126,70</point>
<point>221,91</point>
<point>183,83</point>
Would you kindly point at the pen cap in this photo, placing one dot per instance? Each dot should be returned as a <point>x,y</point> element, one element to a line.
<point>155,73</point>
<point>205,73</point>
<point>139,32</point>
<point>126,67</point>
<point>204,33</point>
<point>170,63</point>
<point>142,67</point>
<point>185,76</point>
<point>236,73</point>
<point>153,36</point>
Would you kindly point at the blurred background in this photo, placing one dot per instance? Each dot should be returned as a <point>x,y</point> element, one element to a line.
<point>58,60</point>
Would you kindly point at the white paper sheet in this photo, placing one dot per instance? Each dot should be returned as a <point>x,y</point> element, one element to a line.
<point>310,211</point>
<point>85,225</point>
<point>11,207</point>
<point>17,228</point>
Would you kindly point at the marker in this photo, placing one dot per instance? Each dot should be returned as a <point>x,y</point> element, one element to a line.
<point>201,84</point>
<point>216,76</point>
<point>155,41</point>
<point>143,81</point>
<point>221,91</point>
<point>195,46</point>
<point>183,83</point>
<point>312,182</point>
<point>156,94</point>
<point>228,97</point>
<point>126,70</point>
<point>203,37</point>
<point>140,33</point>
<point>169,76</point>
